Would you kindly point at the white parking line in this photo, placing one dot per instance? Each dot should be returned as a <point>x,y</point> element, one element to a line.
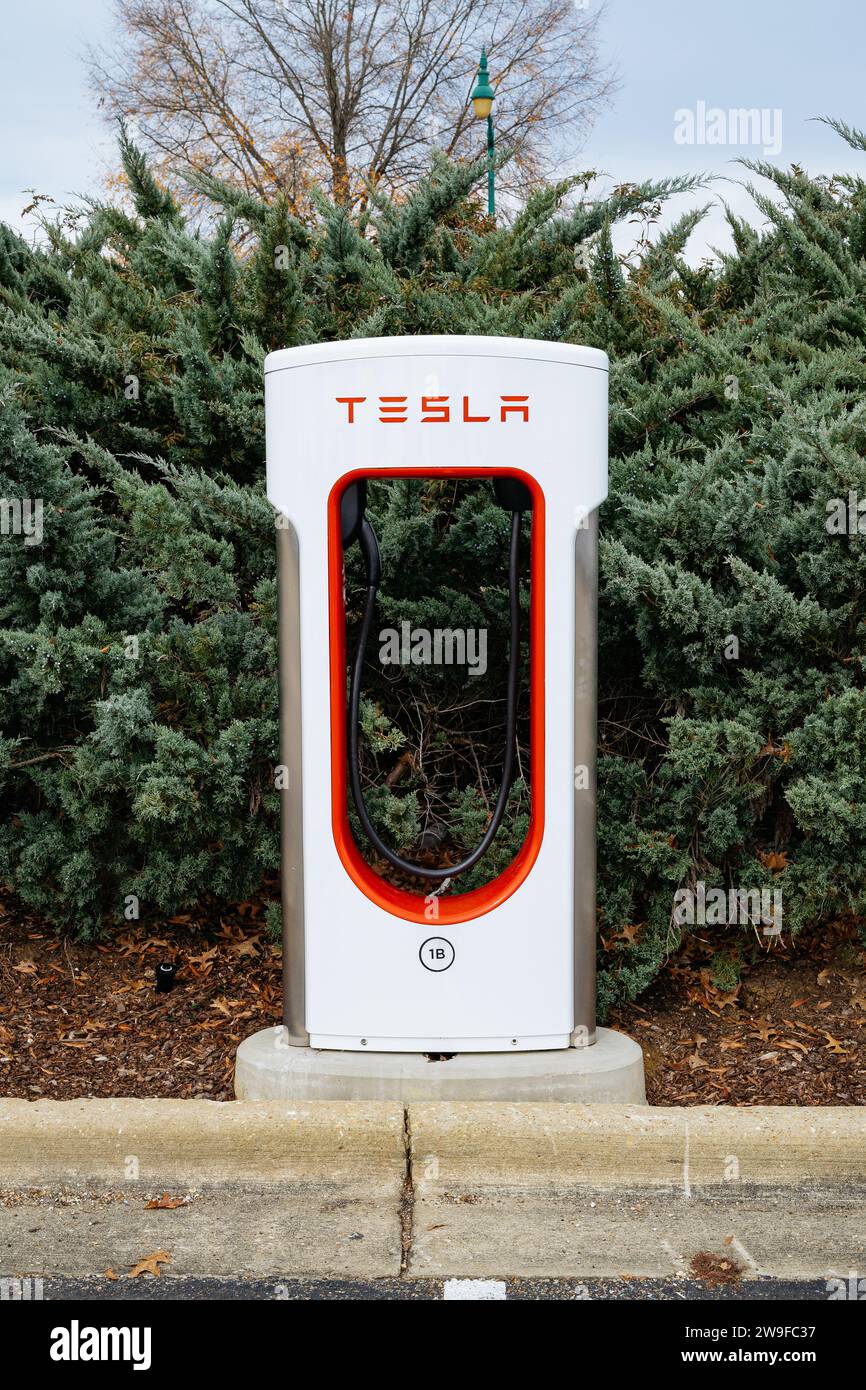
<point>478,1289</point>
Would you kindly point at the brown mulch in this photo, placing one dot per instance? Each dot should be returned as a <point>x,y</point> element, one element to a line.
<point>84,1018</point>
<point>716,1269</point>
<point>791,1032</point>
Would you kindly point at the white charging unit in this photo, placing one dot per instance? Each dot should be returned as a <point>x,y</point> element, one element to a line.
<point>370,966</point>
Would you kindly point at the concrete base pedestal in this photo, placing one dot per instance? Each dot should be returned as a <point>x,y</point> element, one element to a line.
<point>609,1072</point>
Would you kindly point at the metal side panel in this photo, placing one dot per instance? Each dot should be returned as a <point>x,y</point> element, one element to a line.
<point>585,742</point>
<point>292,808</point>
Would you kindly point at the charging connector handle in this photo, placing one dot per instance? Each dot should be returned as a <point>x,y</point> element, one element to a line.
<point>370,550</point>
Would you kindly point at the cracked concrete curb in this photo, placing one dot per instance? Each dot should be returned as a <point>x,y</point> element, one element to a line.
<point>200,1141</point>
<point>640,1146</point>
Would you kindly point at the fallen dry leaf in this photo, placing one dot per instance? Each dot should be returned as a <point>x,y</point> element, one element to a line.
<point>166,1203</point>
<point>204,957</point>
<point>150,1264</point>
<point>244,948</point>
<point>763,1031</point>
<point>628,933</point>
<point>774,861</point>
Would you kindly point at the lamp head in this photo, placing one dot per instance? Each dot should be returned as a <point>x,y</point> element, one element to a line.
<point>483,95</point>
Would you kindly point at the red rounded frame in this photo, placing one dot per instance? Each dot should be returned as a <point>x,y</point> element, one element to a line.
<point>414,907</point>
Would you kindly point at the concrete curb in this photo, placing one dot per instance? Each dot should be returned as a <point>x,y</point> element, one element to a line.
<point>196,1141</point>
<point>478,1144</point>
<point>639,1146</point>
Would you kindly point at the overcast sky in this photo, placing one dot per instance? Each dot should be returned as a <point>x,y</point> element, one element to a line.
<point>795,57</point>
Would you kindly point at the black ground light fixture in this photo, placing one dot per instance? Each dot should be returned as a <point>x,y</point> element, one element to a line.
<point>165,975</point>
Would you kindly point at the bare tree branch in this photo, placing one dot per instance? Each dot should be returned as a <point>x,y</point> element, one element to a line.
<point>280,94</point>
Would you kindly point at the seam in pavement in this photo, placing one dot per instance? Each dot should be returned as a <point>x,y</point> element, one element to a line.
<point>407,1197</point>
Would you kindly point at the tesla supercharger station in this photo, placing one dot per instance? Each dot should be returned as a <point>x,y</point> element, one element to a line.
<point>369,966</point>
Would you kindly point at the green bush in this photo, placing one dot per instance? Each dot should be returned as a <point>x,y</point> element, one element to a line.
<point>137,657</point>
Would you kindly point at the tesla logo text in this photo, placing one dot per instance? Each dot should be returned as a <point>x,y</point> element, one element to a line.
<point>432,410</point>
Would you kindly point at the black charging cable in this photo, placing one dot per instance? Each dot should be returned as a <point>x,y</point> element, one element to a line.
<point>366,538</point>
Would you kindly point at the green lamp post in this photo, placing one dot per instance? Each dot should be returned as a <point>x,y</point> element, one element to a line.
<point>483,98</point>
